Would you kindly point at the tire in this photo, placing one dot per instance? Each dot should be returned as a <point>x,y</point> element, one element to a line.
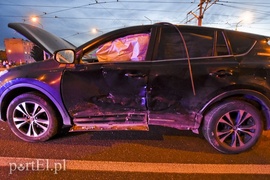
<point>233,126</point>
<point>32,118</point>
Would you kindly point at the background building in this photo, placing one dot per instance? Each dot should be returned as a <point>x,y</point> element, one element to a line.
<point>18,50</point>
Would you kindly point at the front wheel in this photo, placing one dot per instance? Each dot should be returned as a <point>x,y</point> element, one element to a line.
<point>32,118</point>
<point>233,126</point>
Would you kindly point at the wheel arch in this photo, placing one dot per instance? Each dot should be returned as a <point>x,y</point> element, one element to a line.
<point>256,98</point>
<point>21,88</point>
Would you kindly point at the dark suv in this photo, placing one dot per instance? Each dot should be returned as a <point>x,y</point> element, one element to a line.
<point>190,78</point>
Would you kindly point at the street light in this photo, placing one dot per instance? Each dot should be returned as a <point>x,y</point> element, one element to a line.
<point>95,30</point>
<point>35,19</point>
<point>246,17</point>
<point>237,24</point>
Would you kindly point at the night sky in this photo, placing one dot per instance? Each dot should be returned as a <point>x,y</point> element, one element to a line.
<point>75,20</point>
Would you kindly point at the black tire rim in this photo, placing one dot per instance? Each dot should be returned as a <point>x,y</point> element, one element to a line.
<point>236,129</point>
<point>31,119</point>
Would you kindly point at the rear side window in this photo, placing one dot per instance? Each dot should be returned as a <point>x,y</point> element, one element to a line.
<point>221,47</point>
<point>170,45</point>
<point>199,43</point>
<point>240,44</point>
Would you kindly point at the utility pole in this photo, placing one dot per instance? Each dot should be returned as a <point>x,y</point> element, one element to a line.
<point>200,17</point>
<point>203,6</point>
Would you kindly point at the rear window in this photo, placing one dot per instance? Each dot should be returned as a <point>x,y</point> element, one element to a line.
<point>240,44</point>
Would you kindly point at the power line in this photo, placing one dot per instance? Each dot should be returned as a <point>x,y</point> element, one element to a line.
<point>87,7</point>
<point>250,9</point>
<point>61,6</point>
<point>245,2</point>
<point>159,2</point>
<point>79,18</point>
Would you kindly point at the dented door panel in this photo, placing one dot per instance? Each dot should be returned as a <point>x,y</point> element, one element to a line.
<point>127,85</point>
<point>105,89</point>
<point>83,89</point>
<point>170,89</point>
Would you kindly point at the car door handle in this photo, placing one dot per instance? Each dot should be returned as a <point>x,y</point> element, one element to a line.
<point>221,73</point>
<point>135,75</point>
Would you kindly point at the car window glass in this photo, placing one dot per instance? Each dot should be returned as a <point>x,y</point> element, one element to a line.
<point>90,57</point>
<point>127,48</point>
<point>171,46</point>
<point>199,43</point>
<point>221,45</point>
<point>239,43</point>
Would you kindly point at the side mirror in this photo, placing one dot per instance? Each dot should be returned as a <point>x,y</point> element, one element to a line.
<point>66,56</point>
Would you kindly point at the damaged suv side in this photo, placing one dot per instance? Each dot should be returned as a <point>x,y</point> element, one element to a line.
<point>184,77</point>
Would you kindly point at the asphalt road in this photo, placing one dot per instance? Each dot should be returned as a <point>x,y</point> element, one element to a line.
<point>161,153</point>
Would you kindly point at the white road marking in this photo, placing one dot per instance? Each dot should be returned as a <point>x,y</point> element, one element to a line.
<point>16,163</point>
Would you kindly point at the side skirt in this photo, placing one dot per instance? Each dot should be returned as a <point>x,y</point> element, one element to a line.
<point>177,121</point>
<point>117,122</point>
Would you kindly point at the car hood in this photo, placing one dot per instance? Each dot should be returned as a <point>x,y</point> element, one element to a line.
<point>41,38</point>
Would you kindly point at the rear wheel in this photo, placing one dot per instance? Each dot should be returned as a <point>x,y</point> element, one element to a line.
<point>233,126</point>
<point>32,118</point>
